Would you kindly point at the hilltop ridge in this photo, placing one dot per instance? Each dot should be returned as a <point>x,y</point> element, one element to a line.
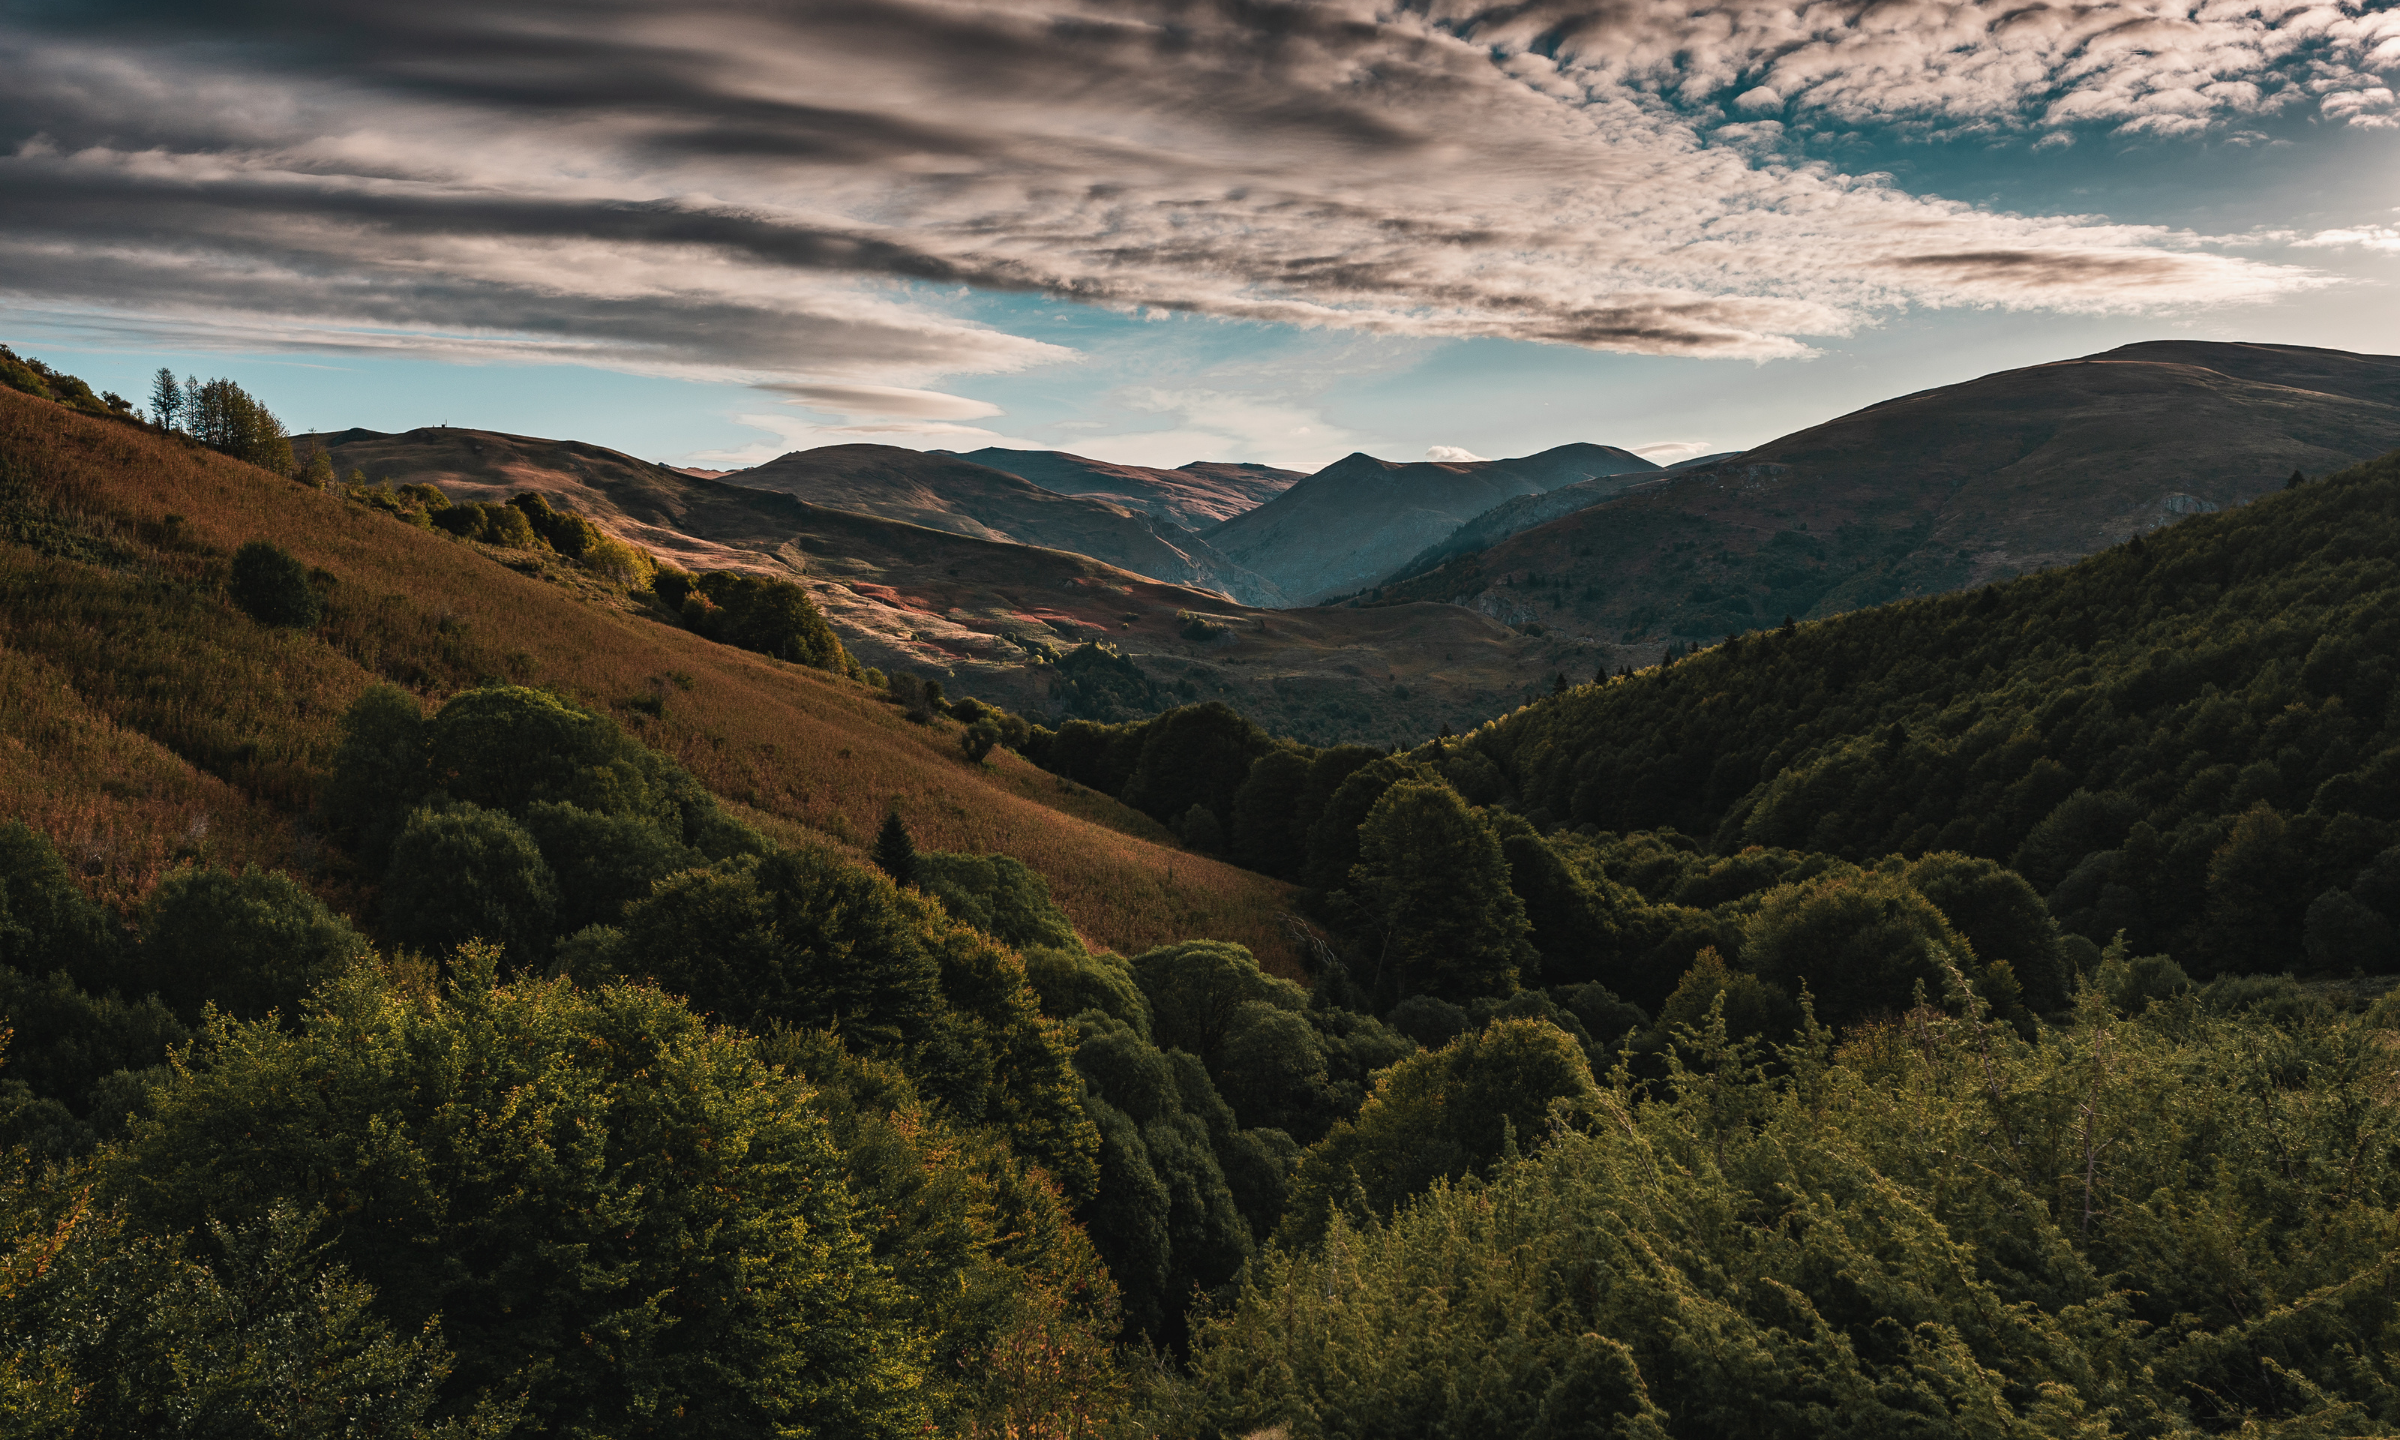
<point>2012,472</point>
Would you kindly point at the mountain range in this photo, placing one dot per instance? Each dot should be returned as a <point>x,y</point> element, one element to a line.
<point>1474,580</point>
<point>2012,472</point>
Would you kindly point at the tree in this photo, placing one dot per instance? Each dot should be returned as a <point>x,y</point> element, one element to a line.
<point>977,740</point>
<point>250,942</point>
<point>382,770</point>
<point>1194,755</point>
<point>460,872</point>
<point>318,473</point>
<point>1439,1114</point>
<point>166,398</point>
<point>46,921</point>
<point>1435,886</point>
<point>1164,1214</point>
<point>226,418</point>
<point>803,938</point>
<point>895,852</point>
<point>997,894</point>
<point>1197,989</point>
<point>507,747</point>
<point>617,1211</point>
<point>1862,945</point>
<point>235,1330</point>
<point>602,862</point>
<point>1199,830</point>
<point>2001,918</point>
<point>1265,809</point>
<point>272,587</point>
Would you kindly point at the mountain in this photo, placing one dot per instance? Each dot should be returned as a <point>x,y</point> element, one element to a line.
<point>1358,519</point>
<point>990,617</point>
<point>946,492</point>
<point>1193,496</point>
<point>2013,472</point>
<point>1522,513</point>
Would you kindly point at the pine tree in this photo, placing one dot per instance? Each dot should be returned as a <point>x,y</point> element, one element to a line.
<point>166,398</point>
<point>895,853</point>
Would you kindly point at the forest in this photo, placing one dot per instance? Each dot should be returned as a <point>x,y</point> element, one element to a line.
<point>1956,1016</point>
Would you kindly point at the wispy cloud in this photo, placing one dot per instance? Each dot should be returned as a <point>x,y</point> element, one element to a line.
<point>786,194</point>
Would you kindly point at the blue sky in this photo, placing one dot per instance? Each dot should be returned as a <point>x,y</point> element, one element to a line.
<point>1389,234</point>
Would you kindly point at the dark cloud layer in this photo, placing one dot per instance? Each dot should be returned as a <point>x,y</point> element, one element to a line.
<point>734,187</point>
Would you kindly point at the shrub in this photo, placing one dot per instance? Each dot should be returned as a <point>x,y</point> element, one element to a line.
<point>46,921</point>
<point>460,872</point>
<point>997,894</point>
<point>272,587</point>
<point>251,942</point>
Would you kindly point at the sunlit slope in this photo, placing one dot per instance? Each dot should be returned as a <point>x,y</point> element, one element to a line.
<point>961,609</point>
<point>136,699</point>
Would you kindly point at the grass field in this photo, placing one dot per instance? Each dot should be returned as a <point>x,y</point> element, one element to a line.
<point>144,719</point>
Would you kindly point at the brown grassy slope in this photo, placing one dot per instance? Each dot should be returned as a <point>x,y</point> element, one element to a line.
<point>1194,496</point>
<point>956,608</point>
<point>136,697</point>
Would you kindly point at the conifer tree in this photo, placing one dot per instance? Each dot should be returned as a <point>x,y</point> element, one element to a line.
<point>895,852</point>
<point>166,398</point>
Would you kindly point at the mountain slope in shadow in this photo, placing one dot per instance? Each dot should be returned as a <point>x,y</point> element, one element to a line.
<point>2012,472</point>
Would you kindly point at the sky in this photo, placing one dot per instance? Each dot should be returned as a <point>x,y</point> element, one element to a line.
<point>1161,231</point>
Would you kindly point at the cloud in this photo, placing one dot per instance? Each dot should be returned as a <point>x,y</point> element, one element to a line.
<point>2368,237</point>
<point>1451,454</point>
<point>1216,424</point>
<point>883,400</point>
<point>1667,452</point>
<point>795,195</point>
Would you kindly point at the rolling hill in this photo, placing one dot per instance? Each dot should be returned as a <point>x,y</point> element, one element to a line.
<point>944,492</point>
<point>1194,496</point>
<point>2013,472</point>
<point>1360,518</point>
<point>989,617</point>
<point>143,719</point>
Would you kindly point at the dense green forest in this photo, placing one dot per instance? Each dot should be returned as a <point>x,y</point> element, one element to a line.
<point>1883,1026</point>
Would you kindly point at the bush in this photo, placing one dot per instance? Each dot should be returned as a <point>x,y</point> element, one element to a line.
<point>460,872</point>
<point>251,942</point>
<point>272,587</point>
<point>46,921</point>
<point>1927,1225</point>
<point>997,894</point>
<point>602,863</point>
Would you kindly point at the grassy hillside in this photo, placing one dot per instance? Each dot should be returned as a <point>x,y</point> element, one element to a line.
<point>988,618</point>
<point>143,718</point>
